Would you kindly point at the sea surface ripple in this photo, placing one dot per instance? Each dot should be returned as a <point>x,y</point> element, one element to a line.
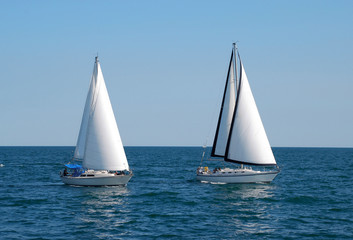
<point>310,199</point>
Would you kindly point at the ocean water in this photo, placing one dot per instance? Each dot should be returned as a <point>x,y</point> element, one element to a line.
<point>312,198</point>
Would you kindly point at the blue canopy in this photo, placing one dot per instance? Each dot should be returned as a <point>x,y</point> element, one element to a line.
<point>73,166</point>
<point>78,170</point>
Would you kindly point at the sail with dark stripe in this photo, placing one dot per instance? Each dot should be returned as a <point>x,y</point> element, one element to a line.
<point>226,113</point>
<point>240,135</point>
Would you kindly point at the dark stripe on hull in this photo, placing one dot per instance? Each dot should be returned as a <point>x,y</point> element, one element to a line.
<point>239,175</point>
<point>264,177</point>
<point>97,181</point>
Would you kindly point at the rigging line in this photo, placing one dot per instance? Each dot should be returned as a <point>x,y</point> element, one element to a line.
<point>203,155</point>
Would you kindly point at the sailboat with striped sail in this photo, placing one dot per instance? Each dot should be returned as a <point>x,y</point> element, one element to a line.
<point>99,145</point>
<point>240,135</point>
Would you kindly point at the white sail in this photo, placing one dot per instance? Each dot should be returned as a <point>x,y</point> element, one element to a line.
<point>81,140</point>
<point>226,114</point>
<point>99,142</point>
<point>248,141</point>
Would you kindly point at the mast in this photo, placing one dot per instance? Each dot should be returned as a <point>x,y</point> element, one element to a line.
<point>235,65</point>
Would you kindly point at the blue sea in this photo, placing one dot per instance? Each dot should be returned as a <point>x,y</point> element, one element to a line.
<point>312,198</point>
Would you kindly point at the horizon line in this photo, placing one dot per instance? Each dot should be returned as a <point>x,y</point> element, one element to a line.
<point>199,146</point>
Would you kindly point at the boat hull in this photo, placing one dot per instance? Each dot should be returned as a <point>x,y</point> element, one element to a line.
<point>116,180</point>
<point>247,177</point>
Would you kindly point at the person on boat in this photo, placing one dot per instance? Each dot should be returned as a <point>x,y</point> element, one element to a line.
<point>65,172</point>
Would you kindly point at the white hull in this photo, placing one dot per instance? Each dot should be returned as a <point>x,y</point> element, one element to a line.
<point>97,180</point>
<point>237,176</point>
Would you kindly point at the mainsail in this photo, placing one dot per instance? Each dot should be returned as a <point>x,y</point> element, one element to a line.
<point>226,114</point>
<point>99,143</point>
<point>246,140</point>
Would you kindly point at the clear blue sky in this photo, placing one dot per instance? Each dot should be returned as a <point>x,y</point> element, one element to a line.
<point>165,63</point>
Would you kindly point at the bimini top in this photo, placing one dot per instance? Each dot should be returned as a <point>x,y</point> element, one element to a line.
<point>73,166</point>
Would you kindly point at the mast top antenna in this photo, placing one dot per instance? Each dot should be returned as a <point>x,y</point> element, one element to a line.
<point>235,45</point>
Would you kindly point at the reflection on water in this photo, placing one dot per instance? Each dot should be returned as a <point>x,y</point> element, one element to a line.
<point>105,208</point>
<point>248,208</point>
<point>246,191</point>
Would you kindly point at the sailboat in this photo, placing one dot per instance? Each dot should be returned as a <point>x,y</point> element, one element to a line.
<point>99,145</point>
<point>240,136</point>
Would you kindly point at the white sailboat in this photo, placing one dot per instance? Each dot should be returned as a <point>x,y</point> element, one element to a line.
<point>99,144</point>
<point>240,135</point>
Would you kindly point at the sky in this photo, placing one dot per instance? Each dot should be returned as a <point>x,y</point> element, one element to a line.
<point>165,64</point>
